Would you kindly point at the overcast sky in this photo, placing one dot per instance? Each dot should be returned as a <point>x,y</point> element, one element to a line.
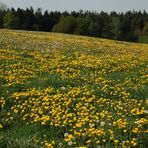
<point>70,5</point>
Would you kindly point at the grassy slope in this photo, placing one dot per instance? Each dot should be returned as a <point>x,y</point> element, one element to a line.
<point>51,83</point>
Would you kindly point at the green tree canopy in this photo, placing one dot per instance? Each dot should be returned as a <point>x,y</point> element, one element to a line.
<point>83,26</point>
<point>116,27</point>
<point>10,21</point>
<point>67,24</point>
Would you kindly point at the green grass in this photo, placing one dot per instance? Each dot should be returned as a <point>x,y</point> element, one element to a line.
<point>143,39</point>
<point>28,136</point>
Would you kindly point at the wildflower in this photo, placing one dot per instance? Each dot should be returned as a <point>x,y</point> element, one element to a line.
<point>60,144</point>
<point>123,142</point>
<point>98,121</point>
<point>89,141</point>
<point>116,141</point>
<point>1,126</point>
<point>110,124</point>
<point>133,143</point>
<point>102,123</point>
<point>63,88</point>
<point>91,125</point>
<point>70,143</point>
<point>135,130</point>
<point>145,111</point>
<point>66,134</point>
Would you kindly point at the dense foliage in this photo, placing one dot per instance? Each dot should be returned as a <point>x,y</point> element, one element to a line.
<point>129,26</point>
<point>67,91</point>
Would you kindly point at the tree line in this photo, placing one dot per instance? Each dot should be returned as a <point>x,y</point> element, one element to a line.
<point>128,26</point>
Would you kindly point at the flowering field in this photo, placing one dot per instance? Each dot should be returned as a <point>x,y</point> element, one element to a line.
<point>64,91</point>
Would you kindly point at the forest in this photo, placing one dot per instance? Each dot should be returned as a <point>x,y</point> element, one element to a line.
<point>130,26</point>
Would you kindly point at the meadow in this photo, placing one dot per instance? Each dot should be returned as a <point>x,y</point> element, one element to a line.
<point>62,91</point>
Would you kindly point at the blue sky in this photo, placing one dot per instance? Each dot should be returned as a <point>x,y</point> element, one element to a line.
<point>70,5</point>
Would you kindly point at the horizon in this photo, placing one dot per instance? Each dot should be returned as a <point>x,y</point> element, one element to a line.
<point>69,5</point>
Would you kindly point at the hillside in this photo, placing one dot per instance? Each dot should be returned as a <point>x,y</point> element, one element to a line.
<point>59,90</point>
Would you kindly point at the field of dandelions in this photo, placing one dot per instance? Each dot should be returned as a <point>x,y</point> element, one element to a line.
<point>66,91</point>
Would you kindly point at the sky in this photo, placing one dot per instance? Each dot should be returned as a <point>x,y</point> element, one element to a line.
<point>70,5</point>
